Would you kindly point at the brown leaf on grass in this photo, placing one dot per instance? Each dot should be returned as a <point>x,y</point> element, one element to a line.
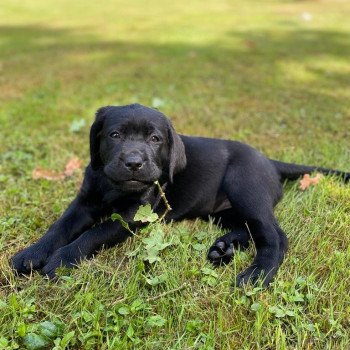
<point>40,173</point>
<point>308,181</point>
<point>249,44</point>
<point>72,165</point>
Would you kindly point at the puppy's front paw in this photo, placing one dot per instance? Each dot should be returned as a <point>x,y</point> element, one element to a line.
<point>62,257</point>
<point>31,258</point>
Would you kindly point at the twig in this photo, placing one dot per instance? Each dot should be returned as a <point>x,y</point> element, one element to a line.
<point>121,300</point>
<point>168,292</point>
<point>156,297</point>
<point>162,194</point>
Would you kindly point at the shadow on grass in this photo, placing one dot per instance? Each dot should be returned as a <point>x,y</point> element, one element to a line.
<point>241,83</point>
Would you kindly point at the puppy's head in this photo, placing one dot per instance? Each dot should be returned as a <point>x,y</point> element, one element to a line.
<point>135,145</point>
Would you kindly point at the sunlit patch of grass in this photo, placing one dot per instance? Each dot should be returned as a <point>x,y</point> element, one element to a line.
<point>259,73</point>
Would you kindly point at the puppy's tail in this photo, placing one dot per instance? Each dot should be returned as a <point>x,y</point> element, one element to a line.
<point>294,171</point>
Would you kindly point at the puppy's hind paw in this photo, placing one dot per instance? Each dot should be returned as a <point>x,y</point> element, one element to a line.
<point>220,253</point>
<point>223,249</point>
<point>255,276</point>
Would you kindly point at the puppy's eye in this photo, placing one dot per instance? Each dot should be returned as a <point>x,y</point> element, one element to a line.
<point>114,135</point>
<point>155,138</point>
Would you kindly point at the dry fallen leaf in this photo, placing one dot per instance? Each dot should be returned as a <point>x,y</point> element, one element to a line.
<point>249,44</point>
<point>307,181</point>
<point>72,165</point>
<point>40,173</point>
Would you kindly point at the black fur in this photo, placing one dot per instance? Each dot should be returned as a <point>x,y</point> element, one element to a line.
<point>131,147</point>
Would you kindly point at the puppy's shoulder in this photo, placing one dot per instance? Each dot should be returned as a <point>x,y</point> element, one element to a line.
<point>94,184</point>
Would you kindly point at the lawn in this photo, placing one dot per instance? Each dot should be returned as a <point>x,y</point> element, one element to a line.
<point>274,74</point>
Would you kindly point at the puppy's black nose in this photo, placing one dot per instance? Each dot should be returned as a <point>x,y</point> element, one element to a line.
<point>133,162</point>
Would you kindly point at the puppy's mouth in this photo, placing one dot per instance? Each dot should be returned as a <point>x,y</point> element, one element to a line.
<point>136,183</point>
<point>132,185</point>
<point>133,182</point>
<point>129,182</point>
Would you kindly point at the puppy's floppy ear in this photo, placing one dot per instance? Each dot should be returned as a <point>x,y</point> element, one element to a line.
<point>95,130</point>
<point>177,155</point>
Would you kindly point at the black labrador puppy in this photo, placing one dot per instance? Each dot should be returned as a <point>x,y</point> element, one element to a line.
<point>132,147</point>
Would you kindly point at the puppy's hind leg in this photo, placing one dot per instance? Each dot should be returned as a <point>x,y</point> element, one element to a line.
<point>252,196</point>
<point>283,242</point>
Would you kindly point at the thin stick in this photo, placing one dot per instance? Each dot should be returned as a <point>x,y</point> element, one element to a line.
<point>121,300</point>
<point>156,297</point>
<point>184,285</point>
<point>162,194</point>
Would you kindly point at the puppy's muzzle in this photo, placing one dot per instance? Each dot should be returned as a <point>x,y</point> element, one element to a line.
<point>133,162</point>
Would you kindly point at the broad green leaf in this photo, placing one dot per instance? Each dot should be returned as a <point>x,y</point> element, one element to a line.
<point>290,313</point>
<point>77,125</point>
<point>2,304</point>
<point>137,305</point>
<point>175,240</point>
<point>280,313</point>
<point>49,329</point>
<point>310,327</point>
<point>153,281</point>
<point>152,250</point>
<point>255,306</point>
<point>155,242</point>
<point>21,330</point>
<point>298,297</point>
<point>194,325</point>
<point>161,246</point>
<point>157,102</point>
<point>199,247</point>
<point>211,281</point>
<point>130,332</point>
<point>13,301</point>
<point>35,341</point>
<point>156,321</point>
<point>277,311</point>
<point>301,281</point>
<point>201,235</point>
<point>152,257</point>
<point>116,216</point>
<point>209,272</point>
<point>66,339</point>
<point>145,214</point>
<point>253,291</point>
<point>151,241</point>
<point>3,343</point>
<point>123,310</point>
<point>87,316</point>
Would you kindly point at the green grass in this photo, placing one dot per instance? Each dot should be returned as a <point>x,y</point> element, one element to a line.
<point>246,70</point>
